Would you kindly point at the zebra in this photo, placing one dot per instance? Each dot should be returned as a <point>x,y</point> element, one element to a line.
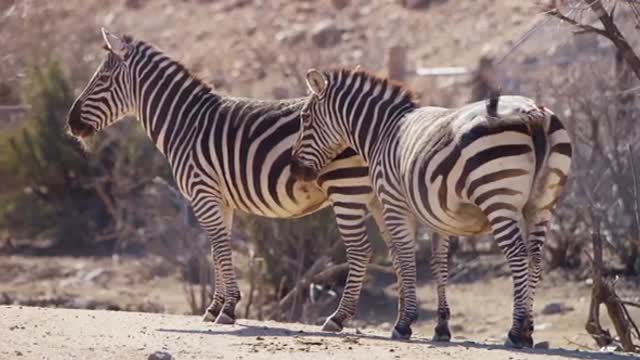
<point>487,167</point>
<point>227,154</point>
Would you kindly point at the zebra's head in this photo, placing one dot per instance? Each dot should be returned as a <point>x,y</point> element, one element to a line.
<point>321,137</point>
<point>107,96</point>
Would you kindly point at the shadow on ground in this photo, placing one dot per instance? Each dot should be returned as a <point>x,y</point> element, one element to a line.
<point>275,331</point>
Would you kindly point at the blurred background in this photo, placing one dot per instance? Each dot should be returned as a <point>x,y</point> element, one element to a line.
<point>106,229</point>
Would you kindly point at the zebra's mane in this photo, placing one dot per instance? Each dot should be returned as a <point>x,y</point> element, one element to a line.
<point>399,88</point>
<point>140,44</point>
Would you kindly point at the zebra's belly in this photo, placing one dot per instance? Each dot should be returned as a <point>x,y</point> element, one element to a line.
<point>284,198</point>
<point>449,216</point>
<point>467,220</point>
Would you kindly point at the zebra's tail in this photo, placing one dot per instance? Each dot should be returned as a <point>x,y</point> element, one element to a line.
<point>552,151</point>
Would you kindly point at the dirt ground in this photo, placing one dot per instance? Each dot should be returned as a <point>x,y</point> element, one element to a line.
<point>39,333</point>
<point>480,305</point>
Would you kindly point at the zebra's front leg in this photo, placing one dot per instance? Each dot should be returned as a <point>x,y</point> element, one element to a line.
<point>213,310</point>
<point>402,228</point>
<point>440,270</point>
<point>352,228</point>
<point>375,209</point>
<point>216,220</point>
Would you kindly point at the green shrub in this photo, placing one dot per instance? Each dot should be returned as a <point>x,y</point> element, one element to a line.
<point>47,196</point>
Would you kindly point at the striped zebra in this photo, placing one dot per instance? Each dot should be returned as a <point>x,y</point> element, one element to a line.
<point>488,167</point>
<point>227,153</point>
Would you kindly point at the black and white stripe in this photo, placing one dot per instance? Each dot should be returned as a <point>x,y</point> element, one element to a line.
<point>496,167</point>
<point>227,153</point>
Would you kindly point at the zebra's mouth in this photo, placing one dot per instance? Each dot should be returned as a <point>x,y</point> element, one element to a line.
<point>81,130</point>
<point>301,171</point>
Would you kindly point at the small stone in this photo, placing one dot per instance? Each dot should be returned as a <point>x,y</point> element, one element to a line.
<point>542,345</point>
<point>18,353</point>
<point>340,4</point>
<point>292,35</point>
<point>543,326</point>
<point>160,355</point>
<point>556,308</point>
<point>280,92</point>
<point>414,4</point>
<point>326,34</point>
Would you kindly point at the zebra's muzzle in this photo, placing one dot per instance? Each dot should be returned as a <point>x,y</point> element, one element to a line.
<point>301,171</point>
<point>76,126</point>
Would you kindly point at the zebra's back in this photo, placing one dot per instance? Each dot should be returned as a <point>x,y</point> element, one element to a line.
<point>244,147</point>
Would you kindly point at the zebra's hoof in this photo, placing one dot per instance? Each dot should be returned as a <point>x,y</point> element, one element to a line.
<point>401,333</point>
<point>442,334</point>
<point>224,319</point>
<point>331,326</point>
<point>208,317</point>
<point>528,342</point>
<point>520,342</point>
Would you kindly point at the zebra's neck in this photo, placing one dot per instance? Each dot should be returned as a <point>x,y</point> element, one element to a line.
<point>370,109</point>
<point>168,99</point>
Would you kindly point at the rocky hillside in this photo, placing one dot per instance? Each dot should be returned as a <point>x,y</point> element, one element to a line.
<point>260,48</point>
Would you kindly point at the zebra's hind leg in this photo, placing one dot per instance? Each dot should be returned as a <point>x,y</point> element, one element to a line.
<point>352,228</point>
<point>440,270</point>
<point>216,220</point>
<point>402,228</point>
<point>509,231</point>
<point>536,240</point>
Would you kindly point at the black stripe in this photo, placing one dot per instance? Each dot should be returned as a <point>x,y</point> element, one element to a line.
<point>492,177</point>
<point>486,156</point>
<point>539,144</point>
<point>562,148</point>
<point>554,125</point>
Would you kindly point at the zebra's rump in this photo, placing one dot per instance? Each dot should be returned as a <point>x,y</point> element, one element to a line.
<point>464,164</point>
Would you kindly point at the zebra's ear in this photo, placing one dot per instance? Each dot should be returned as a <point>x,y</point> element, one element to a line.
<point>316,82</point>
<point>114,44</point>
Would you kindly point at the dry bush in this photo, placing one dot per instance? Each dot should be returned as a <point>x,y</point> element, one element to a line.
<point>591,100</point>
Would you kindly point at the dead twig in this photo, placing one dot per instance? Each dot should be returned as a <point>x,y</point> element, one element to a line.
<point>603,292</point>
<point>583,346</point>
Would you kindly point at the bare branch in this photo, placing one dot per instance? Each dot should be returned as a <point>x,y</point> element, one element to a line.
<point>585,28</point>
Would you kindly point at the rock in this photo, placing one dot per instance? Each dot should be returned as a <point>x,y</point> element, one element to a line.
<point>326,34</point>
<point>93,275</point>
<point>611,348</point>
<point>160,355</point>
<point>414,4</point>
<point>542,345</point>
<point>292,35</point>
<point>280,92</point>
<point>133,4</point>
<point>543,326</point>
<point>556,308</point>
<point>340,4</point>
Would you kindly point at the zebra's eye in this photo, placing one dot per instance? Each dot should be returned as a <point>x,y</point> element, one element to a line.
<point>306,117</point>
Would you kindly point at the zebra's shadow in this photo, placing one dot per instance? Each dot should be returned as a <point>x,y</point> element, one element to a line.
<point>273,330</point>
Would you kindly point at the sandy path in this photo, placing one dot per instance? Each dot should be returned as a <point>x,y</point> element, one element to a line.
<point>38,333</point>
